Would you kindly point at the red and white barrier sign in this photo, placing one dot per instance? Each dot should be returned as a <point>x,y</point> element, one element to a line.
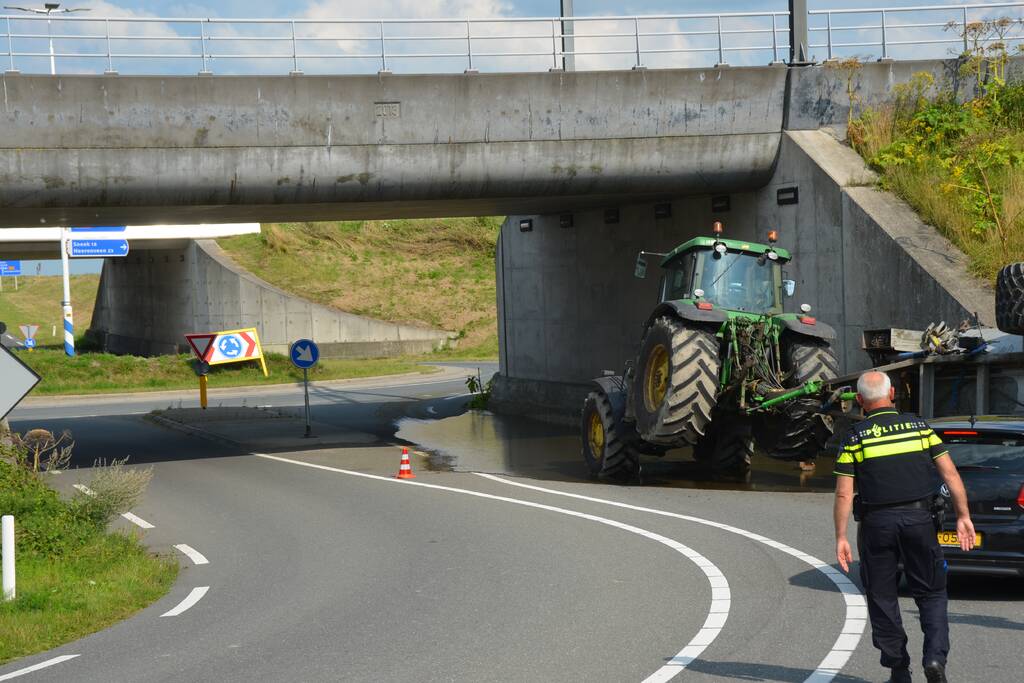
<point>229,346</point>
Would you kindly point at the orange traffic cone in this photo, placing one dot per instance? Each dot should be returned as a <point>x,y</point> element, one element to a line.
<point>405,469</point>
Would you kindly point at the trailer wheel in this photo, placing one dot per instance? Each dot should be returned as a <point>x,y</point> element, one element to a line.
<point>725,451</point>
<point>1010,299</point>
<point>676,382</point>
<point>803,433</point>
<point>605,449</point>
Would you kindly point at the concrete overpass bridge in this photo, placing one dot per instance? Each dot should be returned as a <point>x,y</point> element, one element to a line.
<point>590,166</point>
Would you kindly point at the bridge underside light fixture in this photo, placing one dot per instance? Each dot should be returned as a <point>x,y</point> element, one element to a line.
<point>611,216</point>
<point>720,203</point>
<point>565,220</point>
<point>787,195</point>
<point>663,210</point>
<point>525,225</point>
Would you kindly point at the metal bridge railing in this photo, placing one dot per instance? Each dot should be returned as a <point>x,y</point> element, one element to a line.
<point>902,32</point>
<point>144,45</point>
<point>362,45</point>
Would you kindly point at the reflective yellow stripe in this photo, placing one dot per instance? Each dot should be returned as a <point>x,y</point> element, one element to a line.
<point>934,440</point>
<point>915,446</point>
<point>852,447</point>
<point>845,459</point>
<point>893,437</point>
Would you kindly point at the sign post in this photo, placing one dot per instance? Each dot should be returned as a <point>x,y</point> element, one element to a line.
<point>305,354</point>
<point>69,325</point>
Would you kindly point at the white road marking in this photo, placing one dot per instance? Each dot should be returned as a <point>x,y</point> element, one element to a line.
<point>856,606</point>
<point>192,553</point>
<point>37,667</point>
<point>190,600</point>
<point>721,597</point>
<point>134,519</point>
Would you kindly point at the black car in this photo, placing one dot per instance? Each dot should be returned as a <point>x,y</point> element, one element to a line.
<point>989,453</point>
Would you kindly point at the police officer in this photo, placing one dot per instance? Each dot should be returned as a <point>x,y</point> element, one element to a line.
<point>896,461</point>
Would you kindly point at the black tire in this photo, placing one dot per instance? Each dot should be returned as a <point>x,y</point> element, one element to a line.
<point>725,451</point>
<point>690,382</point>
<point>1010,299</point>
<point>609,456</point>
<point>804,433</point>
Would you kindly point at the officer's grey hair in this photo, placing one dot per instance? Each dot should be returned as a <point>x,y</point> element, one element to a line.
<point>873,386</point>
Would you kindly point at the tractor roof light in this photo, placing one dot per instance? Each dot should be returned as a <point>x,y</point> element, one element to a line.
<point>717,228</point>
<point>773,236</point>
<point>772,255</point>
<point>721,248</point>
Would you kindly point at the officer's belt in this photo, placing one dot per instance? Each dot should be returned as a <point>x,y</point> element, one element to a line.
<point>922,504</point>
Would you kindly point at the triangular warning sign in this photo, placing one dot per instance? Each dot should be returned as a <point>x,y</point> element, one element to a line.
<point>201,344</point>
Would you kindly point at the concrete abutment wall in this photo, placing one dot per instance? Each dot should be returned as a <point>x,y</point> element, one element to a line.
<point>148,301</point>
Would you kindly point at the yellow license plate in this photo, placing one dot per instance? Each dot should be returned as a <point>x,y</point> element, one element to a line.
<point>949,539</point>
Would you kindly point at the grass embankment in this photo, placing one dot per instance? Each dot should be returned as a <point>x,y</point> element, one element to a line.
<point>37,302</point>
<point>95,373</point>
<point>436,272</point>
<point>959,164</point>
<point>74,578</point>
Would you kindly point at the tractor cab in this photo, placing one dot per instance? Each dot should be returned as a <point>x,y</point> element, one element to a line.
<point>733,275</point>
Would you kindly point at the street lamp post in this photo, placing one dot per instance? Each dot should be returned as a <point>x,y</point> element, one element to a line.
<point>48,8</point>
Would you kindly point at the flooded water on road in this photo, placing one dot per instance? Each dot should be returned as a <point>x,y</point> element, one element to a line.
<point>479,441</point>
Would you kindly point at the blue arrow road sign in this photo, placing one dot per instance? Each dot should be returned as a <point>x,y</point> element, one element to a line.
<point>78,248</point>
<point>11,268</point>
<point>304,353</point>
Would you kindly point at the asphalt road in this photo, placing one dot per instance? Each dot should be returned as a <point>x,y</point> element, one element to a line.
<point>322,567</point>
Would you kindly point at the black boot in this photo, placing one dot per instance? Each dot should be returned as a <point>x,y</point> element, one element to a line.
<point>900,674</point>
<point>935,672</point>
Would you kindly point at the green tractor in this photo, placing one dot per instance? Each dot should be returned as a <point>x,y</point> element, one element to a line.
<point>721,368</point>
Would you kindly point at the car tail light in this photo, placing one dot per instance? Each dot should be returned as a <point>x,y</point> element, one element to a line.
<point>808,320</point>
<point>959,432</point>
<point>705,305</point>
<point>1020,497</point>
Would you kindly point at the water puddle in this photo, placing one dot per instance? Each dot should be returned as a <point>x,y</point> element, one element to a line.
<point>479,441</point>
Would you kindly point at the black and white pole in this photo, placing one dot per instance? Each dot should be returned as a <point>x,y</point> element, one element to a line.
<point>305,385</point>
<point>69,325</point>
<point>7,549</point>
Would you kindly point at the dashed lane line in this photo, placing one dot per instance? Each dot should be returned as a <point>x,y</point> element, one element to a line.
<point>190,600</point>
<point>37,667</point>
<point>192,554</point>
<point>856,607</point>
<point>133,518</point>
<point>721,597</point>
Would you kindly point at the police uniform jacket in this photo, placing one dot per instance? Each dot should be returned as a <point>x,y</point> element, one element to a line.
<point>891,454</point>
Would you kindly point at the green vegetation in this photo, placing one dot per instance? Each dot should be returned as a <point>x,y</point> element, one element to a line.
<point>436,272</point>
<point>91,373</point>
<point>959,164</point>
<point>37,302</point>
<point>74,577</point>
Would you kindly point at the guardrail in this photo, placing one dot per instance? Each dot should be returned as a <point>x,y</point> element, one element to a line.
<point>890,28</point>
<point>88,44</point>
<point>524,43</point>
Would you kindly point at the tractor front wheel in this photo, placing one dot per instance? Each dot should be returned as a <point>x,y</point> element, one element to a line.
<point>725,451</point>
<point>676,382</point>
<point>804,431</point>
<point>605,449</point>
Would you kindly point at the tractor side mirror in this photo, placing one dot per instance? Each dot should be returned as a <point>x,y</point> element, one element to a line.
<point>640,272</point>
<point>789,287</point>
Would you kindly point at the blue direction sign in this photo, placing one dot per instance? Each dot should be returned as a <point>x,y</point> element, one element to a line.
<point>304,353</point>
<point>11,268</point>
<point>86,248</point>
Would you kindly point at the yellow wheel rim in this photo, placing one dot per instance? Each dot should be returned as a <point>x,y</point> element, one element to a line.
<point>656,378</point>
<point>595,436</point>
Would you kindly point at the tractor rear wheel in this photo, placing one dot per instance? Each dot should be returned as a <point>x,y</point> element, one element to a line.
<point>804,432</point>
<point>1010,299</point>
<point>676,382</point>
<point>605,449</point>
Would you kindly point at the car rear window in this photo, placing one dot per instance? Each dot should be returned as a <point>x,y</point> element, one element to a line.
<point>1005,452</point>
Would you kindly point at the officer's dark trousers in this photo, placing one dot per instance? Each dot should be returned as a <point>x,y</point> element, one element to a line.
<point>885,538</point>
